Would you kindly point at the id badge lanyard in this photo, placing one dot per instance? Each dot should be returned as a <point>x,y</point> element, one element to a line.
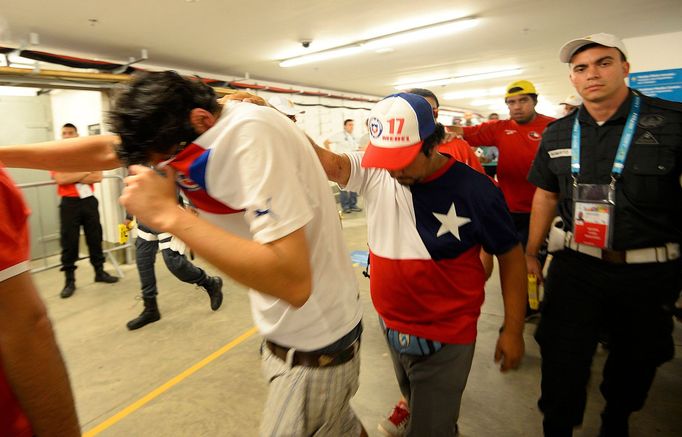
<point>594,204</point>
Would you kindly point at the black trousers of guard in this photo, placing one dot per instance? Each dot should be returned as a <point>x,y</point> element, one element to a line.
<point>630,302</point>
<point>74,213</point>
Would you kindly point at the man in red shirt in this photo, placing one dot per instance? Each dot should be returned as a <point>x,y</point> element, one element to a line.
<point>517,140</point>
<point>77,208</point>
<point>35,394</point>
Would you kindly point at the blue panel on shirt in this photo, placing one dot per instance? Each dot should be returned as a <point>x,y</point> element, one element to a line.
<point>475,198</point>
<point>197,170</point>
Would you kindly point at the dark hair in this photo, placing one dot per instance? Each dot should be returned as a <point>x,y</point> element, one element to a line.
<point>346,121</point>
<point>151,114</point>
<point>71,125</point>
<point>424,93</point>
<point>433,140</point>
<point>593,45</point>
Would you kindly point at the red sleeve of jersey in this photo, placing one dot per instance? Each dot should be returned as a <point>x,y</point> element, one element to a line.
<point>462,152</point>
<point>14,245</point>
<point>480,135</point>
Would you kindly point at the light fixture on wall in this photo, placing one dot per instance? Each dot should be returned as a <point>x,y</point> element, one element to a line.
<point>385,42</point>
<point>504,72</point>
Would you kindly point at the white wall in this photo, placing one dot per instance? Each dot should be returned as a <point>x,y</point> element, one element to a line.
<point>80,108</point>
<point>654,52</point>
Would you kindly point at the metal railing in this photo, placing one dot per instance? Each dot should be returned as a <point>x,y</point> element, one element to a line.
<point>44,239</point>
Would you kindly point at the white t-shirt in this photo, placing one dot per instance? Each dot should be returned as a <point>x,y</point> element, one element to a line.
<point>255,174</point>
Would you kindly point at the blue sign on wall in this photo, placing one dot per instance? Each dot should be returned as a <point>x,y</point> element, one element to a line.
<point>664,84</point>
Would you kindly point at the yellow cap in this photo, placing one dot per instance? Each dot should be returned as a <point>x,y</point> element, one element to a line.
<point>520,87</point>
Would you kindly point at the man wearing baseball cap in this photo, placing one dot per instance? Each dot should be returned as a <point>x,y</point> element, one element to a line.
<point>285,106</point>
<point>571,103</point>
<point>428,216</point>
<point>616,163</point>
<point>517,141</point>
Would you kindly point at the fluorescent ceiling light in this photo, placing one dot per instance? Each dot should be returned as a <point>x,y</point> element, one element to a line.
<point>385,42</point>
<point>461,78</point>
<point>477,93</point>
<point>429,31</point>
<point>321,56</point>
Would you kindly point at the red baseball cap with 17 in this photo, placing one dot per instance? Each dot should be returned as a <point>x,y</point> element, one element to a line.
<point>398,125</point>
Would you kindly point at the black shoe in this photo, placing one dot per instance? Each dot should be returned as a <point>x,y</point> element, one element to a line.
<point>355,209</point>
<point>213,286</point>
<point>150,314</point>
<point>614,425</point>
<point>102,276</point>
<point>68,290</point>
<point>347,211</point>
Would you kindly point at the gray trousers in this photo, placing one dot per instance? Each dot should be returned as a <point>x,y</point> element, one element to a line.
<point>433,386</point>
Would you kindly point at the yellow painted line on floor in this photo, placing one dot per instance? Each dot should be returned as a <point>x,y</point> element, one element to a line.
<point>168,385</point>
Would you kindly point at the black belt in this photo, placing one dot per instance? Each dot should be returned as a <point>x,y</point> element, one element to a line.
<point>313,359</point>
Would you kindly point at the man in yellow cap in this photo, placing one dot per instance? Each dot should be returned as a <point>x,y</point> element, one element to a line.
<point>517,140</point>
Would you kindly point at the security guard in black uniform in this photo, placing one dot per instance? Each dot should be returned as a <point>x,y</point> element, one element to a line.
<point>613,168</point>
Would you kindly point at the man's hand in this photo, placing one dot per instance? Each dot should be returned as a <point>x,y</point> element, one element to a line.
<point>243,96</point>
<point>509,350</point>
<point>151,197</point>
<point>534,268</point>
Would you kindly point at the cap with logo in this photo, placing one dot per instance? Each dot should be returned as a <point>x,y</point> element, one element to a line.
<point>285,106</point>
<point>603,39</point>
<point>520,87</point>
<point>572,100</point>
<point>398,125</point>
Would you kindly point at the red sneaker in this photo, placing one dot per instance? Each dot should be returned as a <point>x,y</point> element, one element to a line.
<point>396,424</point>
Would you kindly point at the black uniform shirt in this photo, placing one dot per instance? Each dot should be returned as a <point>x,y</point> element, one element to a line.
<point>648,193</point>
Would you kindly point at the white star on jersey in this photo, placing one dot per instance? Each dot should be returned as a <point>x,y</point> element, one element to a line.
<point>450,222</point>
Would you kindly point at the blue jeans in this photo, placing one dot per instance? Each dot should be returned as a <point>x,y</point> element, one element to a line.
<point>179,265</point>
<point>348,199</point>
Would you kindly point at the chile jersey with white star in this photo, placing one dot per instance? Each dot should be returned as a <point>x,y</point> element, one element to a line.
<point>427,278</point>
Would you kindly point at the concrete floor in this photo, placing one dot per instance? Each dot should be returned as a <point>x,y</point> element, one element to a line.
<point>191,374</point>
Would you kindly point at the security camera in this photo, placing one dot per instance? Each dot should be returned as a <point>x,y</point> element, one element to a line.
<point>305,43</point>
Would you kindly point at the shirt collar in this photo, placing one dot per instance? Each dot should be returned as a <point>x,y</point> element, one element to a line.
<point>621,114</point>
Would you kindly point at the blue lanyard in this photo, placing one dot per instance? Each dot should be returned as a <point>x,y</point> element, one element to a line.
<point>623,147</point>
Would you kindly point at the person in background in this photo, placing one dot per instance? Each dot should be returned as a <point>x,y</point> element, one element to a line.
<point>493,116</point>
<point>147,243</point>
<point>428,218</point>
<point>285,106</point>
<point>345,142</point>
<point>78,208</point>
<point>517,141</point>
<point>618,160</point>
<point>571,103</point>
<point>35,392</point>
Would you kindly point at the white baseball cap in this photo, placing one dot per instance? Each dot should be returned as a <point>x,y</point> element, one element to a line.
<point>285,106</point>
<point>398,125</point>
<point>572,100</point>
<point>604,39</point>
